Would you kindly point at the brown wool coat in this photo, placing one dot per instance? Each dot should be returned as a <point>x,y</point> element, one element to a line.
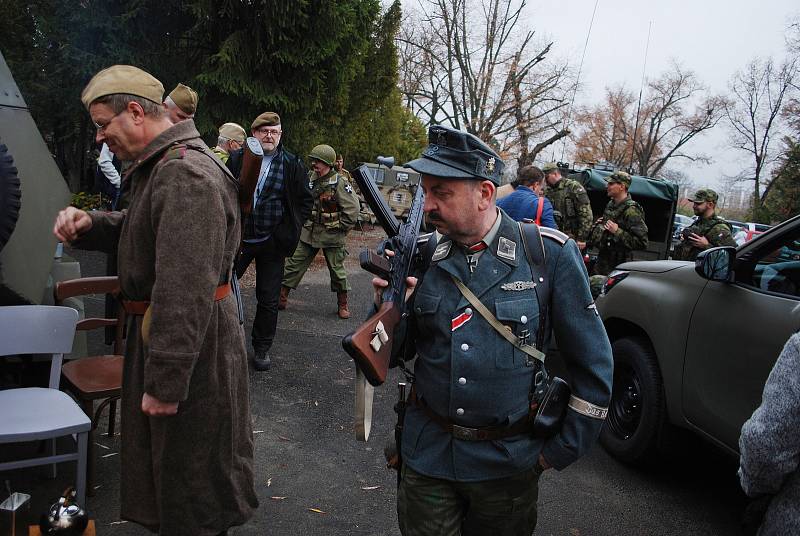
<point>192,473</point>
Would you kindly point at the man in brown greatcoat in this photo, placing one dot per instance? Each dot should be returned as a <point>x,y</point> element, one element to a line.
<point>187,444</point>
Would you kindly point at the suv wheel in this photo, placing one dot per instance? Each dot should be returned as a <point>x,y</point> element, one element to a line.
<point>635,417</point>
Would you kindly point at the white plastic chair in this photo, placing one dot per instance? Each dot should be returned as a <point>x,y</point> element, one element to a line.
<point>36,413</point>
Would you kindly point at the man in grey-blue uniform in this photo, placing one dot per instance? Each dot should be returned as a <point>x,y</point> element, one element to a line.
<point>471,463</point>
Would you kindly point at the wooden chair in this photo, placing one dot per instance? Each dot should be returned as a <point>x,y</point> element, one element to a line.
<point>95,377</point>
<point>36,413</point>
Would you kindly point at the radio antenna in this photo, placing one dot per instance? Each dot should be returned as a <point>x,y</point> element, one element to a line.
<point>577,80</point>
<point>641,89</point>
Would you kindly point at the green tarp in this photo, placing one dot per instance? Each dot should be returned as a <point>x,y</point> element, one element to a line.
<point>641,187</point>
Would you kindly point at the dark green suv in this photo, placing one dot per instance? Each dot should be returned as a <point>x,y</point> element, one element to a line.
<point>694,342</point>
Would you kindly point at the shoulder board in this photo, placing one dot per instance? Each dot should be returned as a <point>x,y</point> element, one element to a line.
<point>554,234</point>
<point>175,152</point>
<point>423,238</point>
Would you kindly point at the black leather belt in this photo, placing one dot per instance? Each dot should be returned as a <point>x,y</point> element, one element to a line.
<point>465,433</point>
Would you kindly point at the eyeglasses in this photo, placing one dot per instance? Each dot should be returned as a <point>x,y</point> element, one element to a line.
<point>268,131</point>
<point>102,128</point>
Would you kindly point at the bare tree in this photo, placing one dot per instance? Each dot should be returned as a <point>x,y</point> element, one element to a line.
<point>675,109</point>
<point>470,64</point>
<point>758,95</point>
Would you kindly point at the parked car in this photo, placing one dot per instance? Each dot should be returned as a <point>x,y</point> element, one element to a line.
<point>744,232</point>
<point>694,342</point>
<point>681,222</point>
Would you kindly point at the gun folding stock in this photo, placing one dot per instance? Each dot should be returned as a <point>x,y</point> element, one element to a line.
<point>370,345</point>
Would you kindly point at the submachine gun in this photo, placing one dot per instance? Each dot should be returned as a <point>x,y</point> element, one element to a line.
<point>370,345</point>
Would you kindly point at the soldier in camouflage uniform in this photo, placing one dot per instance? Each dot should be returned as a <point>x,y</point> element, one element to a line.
<point>621,229</point>
<point>708,231</point>
<point>573,212</point>
<point>335,212</point>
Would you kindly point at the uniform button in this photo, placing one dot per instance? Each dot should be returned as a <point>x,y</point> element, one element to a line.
<point>464,347</point>
<point>523,319</point>
<point>462,381</point>
<point>468,310</point>
<point>460,411</point>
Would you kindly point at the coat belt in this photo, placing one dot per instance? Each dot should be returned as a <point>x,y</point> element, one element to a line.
<point>140,307</point>
<point>465,433</point>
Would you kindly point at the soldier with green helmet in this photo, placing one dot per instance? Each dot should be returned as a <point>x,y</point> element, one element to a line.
<point>573,212</point>
<point>231,138</point>
<point>621,229</point>
<point>181,104</point>
<point>335,212</point>
<point>708,231</point>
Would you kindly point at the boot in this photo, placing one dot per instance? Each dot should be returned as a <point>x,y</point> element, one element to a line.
<point>343,312</point>
<point>284,298</point>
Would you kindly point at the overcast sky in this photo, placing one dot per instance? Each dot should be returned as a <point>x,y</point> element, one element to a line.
<point>714,38</point>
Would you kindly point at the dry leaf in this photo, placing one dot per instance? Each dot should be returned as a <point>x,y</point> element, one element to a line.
<point>276,498</point>
<point>317,510</point>
<point>269,482</point>
<point>368,488</point>
<point>316,403</point>
<point>284,438</point>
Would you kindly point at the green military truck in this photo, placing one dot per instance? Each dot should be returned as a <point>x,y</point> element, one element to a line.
<point>658,198</point>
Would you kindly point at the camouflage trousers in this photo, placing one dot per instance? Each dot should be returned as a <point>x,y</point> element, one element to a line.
<point>434,507</point>
<point>302,258</point>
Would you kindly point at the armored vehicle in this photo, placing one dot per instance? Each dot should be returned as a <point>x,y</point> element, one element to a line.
<point>658,198</point>
<point>32,191</point>
<point>397,185</point>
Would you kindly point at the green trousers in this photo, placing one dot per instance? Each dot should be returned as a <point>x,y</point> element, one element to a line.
<point>301,259</point>
<point>434,507</point>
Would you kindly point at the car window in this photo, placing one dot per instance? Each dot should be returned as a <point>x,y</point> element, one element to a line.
<point>777,267</point>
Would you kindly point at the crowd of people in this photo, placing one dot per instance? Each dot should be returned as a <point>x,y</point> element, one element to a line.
<point>481,310</point>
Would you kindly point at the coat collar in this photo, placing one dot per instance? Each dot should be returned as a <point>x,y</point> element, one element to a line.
<point>496,262</point>
<point>181,132</point>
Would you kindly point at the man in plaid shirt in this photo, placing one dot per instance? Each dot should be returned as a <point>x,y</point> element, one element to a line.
<point>281,203</point>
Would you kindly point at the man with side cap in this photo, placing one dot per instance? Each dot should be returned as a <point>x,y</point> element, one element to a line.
<point>470,459</point>
<point>231,138</point>
<point>187,442</point>
<point>181,103</point>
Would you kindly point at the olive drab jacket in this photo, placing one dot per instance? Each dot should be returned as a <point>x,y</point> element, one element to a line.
<point>615,248</point>
<point>191,473</point>
<point>572,209</point>
<point>469,374</point>
<point>715,229</point>
<point>334,213</point>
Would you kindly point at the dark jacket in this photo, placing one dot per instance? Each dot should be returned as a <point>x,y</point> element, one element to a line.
<point>297,198</point>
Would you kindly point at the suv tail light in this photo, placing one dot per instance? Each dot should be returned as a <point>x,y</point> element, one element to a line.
<point>613,278</point>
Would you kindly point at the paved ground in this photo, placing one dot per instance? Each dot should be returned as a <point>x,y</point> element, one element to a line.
<point>314,478</point>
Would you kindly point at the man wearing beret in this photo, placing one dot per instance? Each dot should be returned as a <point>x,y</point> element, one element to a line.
<point>573,211</point>
<point>707,231</point>
<point>281,203</point>
<point>187,444</point>
<point>181,104</point>
<point>231,137</point>
<point>621,229</point>
<point>470,459</point>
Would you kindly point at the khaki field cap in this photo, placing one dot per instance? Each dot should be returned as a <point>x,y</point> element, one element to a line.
<point>232,131</point>
<point>706,194</point>
<point>620,177</point>
<point>267,119</point>
<point>453,154</point>
<point>122,79</point>
<point>184,98</point>
<point>550,166</point>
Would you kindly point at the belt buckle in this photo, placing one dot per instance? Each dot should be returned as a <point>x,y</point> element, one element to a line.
<point>464,433</point>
